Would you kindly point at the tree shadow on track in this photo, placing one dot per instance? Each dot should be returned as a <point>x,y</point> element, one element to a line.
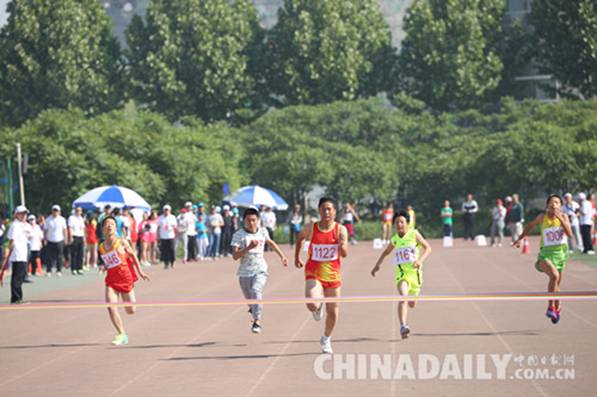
<point>50,345</point>
<point>240,357</point>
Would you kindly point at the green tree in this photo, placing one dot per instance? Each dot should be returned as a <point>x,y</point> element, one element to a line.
<point>190,57</point>
<point>55,55</point>
<point>323,51</point>
<point>448,58</point>
<point>566,35</point>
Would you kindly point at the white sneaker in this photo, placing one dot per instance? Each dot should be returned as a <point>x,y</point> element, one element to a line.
<point>58,274</point>
<point>317,314</point>
<point>591,252</point>
<point>326,344</point>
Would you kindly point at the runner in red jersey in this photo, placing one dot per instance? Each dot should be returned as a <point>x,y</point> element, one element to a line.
<point>328,242</point>
<point>120,263</point>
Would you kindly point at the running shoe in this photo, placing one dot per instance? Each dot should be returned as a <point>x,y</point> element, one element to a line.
<point>326,345</point>
<point>58,274</point>
<point>256,328</point>
<point>317,314</point>
<point>404,331</point>
<point>556,319</point>
<point>552,314</point>
<point>120,339</point>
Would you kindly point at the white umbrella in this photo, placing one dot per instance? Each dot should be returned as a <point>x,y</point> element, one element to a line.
<point>115,196</point>
<point>255,196</point>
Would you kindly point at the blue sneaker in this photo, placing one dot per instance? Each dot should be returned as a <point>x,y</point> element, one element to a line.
<point>404,331</point>
<point>552,314</point>
<point>557,317</point>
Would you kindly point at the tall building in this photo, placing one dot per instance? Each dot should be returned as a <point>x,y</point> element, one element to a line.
<point>532,83</point>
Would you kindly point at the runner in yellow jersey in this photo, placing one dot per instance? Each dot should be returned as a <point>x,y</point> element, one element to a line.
<point>553,252</point>
<point>408,261</point>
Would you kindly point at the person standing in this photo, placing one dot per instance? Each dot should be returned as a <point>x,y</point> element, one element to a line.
<point>268,220</point>
<point>586,223</point>
<point>516,217</point>
<point>181,232</point>
<point>202,238</point>
<point>17,253</point>
<point>55,235</point>
<point>91,241</point>
<point>75,236</point>
<point>167,233</point>
<point>190,222</point>
<point>328,243</point>
<point>36,242</point>
<point>412,216</point>
<point>295,222</point>
<point>227,231</point>
<point>469,209</point>
<point>447,214</point>
<point>572,209</point>
<point>498,216</point>
<point>215,223</point>
<point>349,218</point>
<point>386,223</point>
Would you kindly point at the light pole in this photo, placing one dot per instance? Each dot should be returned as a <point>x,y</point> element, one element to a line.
<point>20,172</point>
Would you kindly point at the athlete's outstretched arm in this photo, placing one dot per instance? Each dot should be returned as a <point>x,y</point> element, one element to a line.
<point>276,248</point>
<point>528,228</point>
<point>420,240</point>
<point>129,250</point>
<point>383,255</point>
<point>565,223</point>
<point>343,243</point>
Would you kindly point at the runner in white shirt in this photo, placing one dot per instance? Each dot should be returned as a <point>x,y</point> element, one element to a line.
<point>190,221</point>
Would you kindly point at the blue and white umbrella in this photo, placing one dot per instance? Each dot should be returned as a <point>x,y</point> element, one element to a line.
<point>257,195</point>
<point>115,196</point>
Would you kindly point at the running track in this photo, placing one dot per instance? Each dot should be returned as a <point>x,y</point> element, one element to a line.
<point>209,351</point>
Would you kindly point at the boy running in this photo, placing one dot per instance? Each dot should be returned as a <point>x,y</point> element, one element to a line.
<point>328,242</point>
<point>248,244</point>
<point>553,251</point>
<point>408,262</point>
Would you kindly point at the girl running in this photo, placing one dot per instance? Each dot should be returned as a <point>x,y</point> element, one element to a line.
<point>409,275</point>
<point>120,263</point>
<point>553,251</point>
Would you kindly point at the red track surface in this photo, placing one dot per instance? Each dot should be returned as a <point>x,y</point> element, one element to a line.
<point>209,351</point>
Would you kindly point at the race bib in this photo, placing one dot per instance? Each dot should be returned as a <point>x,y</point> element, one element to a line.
<point>387,217</point>
<point>553,236</point>
<point>324,252</point>
<point>111,260</point>
<point>405,255</point>
<point>260,247</point>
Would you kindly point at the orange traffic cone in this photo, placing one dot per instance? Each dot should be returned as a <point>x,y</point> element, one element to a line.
<point>525,245</point>
<point>38,266</point>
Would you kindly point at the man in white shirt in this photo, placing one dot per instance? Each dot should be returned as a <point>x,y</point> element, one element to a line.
<point>469,209</point>
<point>498,223</point>
<point>190,223</point>
<point>75,235</point>
<point>56,234</point>
<point>586,223</point>
<point>268,221</point>
<point>571,208</point>
<point>35,243</point>
<point>167,234</point>
<point>17,253</point>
